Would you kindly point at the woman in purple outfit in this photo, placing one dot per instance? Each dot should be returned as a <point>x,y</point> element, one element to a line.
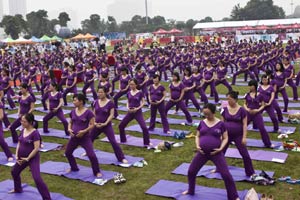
<point>135,104</point>
<point>221,76</point>
<point>254,104</point>
<point>80,69</point>
<point>33,71</point>
<point>177,93</point>
<point>268,93</point>
<point>70,84</point>
<point>81,123</point>
<point>26,102</point>
<point>244,66</point>
<point>123,87</point>
<point>89,79</point>
<point>8,91</point>
<point>104,113</point>
<point>64,76</point>
<point>289,73</point>
<point>209,75</point>
<point>142,79</point>
<point>279,83</point>
<point>197,76</point>
<point>151,71</point>
<point>103,82</point>
<point>211,140</point>
<point>157,95</point>
<point>54,105</point>
<point>3,144</point>
<point>235,118</point>
<point>27,154</point>
<point>17,71</point>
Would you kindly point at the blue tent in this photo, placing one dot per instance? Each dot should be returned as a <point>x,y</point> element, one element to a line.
<point>35,39</point>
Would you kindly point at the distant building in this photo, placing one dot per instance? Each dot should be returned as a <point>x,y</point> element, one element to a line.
<point>1,10</point>
<point>18,7</point>
<point>124,10</point>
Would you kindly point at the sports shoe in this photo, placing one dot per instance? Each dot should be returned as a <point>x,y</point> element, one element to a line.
<point>117,179</point>
<point>121,178</point>
<point>284,178</point>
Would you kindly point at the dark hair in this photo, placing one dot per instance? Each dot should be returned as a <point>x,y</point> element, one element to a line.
<point>66,64</point>
<point>281,67</point>
<point>189,70</point>
<point>124,69</point>
<point>135,81</point>
<point>103,88</point>
<point>55,85</point>
<point>24,86</point>
<point>233,94</point>
<point>104,75</point>
<point>157,76</point>
<point>138,67</point>
<point>6,71</point>
<point>253,83</point>
<point>177,75</point>
<point>211,107</point>
<point>30,118</point>
<point>264,76</point>
<point>80,97</point>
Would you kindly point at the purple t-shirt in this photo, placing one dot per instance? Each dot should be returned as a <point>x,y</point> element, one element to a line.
<point>234,123</point>
<point>266,94</point>
<point>210,137</point>
<point>27,143</point>
<point>156,94</point>
<point>25,104</point>
<point>124,81</point>
<point>54,100</point>
<point>102,113</point>
<point>81,122</point>
<point>70,79</point>
<point>134,101</point>
<point>208,74</point>
<point>253,103</point>
<point>176,91</point>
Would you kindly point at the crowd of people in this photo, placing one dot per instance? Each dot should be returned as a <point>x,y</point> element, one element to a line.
<point>140,73</point>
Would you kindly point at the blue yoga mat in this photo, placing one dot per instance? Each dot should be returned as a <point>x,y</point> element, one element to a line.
<point>284,129</point>
<point>54,133</point>
<point>3,160</point>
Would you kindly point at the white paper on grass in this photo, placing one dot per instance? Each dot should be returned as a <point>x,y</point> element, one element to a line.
<point>10,164</point>
<point>126,165</point>
<point>277,160</point>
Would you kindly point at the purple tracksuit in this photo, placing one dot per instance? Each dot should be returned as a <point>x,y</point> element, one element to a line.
<point>288,70</point>
<point>80,123</point>
<point>175,95</point>
<point>221,78</point>
<point>209,140</point>
<point>32,72</point>
<point>243,64</point>
<point>123,84</point>
<point>197,79</point>
<point>89,75</point>
<point>156,94</point>
<point>9,92</point>
<point>189,95</point>
<point>279,79</point>
<point>24,108</point>
<point>3,144</point>
<point>140,77</point>
<point>102,114</point>
<point>208,75</point>
<point>26,146</point>
<point>70,81</point>
<point>234,126</point>
<point>257,119</point>
<point>134,101</point>
<point>54,100</point>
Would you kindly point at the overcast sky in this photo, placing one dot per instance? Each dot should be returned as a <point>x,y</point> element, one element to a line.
<point>175,9</point>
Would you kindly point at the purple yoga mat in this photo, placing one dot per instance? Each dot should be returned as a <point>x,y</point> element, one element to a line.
<point>134,141</point>
<point>268,119</point>
<point>84,174</point>
<point>38,118</point>
<point>38,96</point>
<point>156,131</point>
<point>172,189</point>
<point>291,112</point>
<point>238,174</point>
<point>172,121</point>
<point>290,105</point>
<point>124,109</point>
<point>107,158</point>
<point>41,109</point>
<point>3,160</point>
<point>180,113</point>
<point>47,145</point>
<point>259,155</point>
<point>29,192</point>
<point>54,133</point>
<point>260,144</point>
<point>241,84</point>
<point>269,129</point>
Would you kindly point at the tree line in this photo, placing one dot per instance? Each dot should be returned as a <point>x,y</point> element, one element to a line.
<point>37,23</point>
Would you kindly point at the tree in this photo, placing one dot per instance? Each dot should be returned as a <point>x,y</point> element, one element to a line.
<point>63,18</point>
<point>257,10</point>
<point>180,25</point>
<point>112,25</point>
<point>38,23</point>
<point>207,19</point>
<point>127,27</point>
<point>94,24</point>
<point>190,25</point>
<point>158,20</point>
<point>12,25</point>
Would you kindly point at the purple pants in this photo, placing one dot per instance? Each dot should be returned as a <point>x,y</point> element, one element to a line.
<point>16,76</point>
<point>116,98</point>
<point>278,110</point>
<point>138,116</point>
<point>271,112</point>
<point>3,144</point>
<point>5,120</point>
<point>298,79</point>
<point>110,134</point>
<point>202,95</point>
<point>181,105</point>
<point>9,93</point>
<point>115,79</point>
<point>34,165</point>
<point>285,98</point>
<point>92,86</point>
<point>291,83</point>
<point>258,120</point>
<point>213,89</point>
<point>144,89</point>
<point>62,82</point>
<point>162,111</point>
<point>220,162</point>
<point>242,72</point>
<point>45,96</point>
<point>67,91</point>
<point>36,83</point>
<point>189,95</point>
<point>60,115</point>
<point>86,143</point>
<point>225,83</point>
<point>13,129</point>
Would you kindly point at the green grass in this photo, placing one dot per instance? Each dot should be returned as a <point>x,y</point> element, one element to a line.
<point>160,167</point>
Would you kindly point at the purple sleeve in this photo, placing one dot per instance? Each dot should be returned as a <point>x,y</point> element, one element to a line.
<point>199,126</point>
<point>90,115</point>
<point>111,105</point>
<point>31,100</point>
<point>36,136</point>
<point>223,128</point>
<point>223,112</point>
<point>71,114</point>
<point>243,112</point>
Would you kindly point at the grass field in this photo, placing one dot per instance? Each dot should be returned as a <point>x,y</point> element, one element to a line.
<point>160,167</point>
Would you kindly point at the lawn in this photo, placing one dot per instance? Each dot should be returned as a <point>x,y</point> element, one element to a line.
<point>160,167</point>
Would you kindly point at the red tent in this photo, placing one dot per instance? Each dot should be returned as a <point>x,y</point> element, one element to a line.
<point>246,28</point>
<point>279,26</point>
<point>174,31</point>
<point>161,31</point>
<point>261,27</point>
<point>294,26</point>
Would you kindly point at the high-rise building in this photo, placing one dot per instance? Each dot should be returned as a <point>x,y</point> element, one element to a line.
<point>18,7</point>
<point>1,10</point>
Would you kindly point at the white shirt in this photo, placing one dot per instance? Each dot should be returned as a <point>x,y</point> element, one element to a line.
<point>102,40</point>
<point>69,60</point>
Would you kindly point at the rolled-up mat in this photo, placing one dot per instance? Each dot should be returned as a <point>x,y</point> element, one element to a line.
<point>54,133</point>
<point>107,158</point>
<point>269,129</point>
<point>260,155</point>
<point>47,146</point>
<point>135,141</point>
<point>172,189</point>
<point>238,174</point>
<point>29,192</point>
<point>84,174</point>
<point>156,131</point>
